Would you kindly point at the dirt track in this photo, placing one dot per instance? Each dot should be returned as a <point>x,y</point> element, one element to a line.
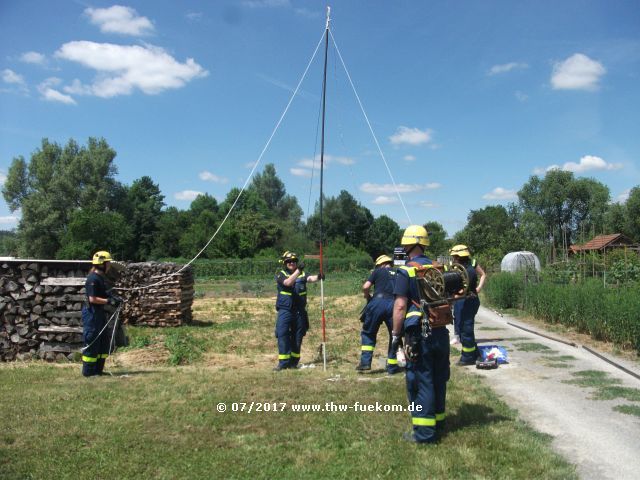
<point>601,442</point>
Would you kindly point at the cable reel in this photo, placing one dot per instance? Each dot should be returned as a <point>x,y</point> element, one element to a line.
<point>438,287</point>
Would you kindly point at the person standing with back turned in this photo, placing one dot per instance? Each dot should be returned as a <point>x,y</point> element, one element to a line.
<point>378,310</point>
<point>426,349</point>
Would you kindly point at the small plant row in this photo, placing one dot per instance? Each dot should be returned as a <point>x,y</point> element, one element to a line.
<point>606,313</point>
<point>205,268</point>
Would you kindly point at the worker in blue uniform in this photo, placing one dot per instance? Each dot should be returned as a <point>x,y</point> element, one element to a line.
<point>465,310</point>
<point>378,310</point>
<point>291,304</point>
<point>94,318</point>
<point>426,349</point>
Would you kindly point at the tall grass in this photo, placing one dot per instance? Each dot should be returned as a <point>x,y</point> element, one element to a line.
<point>605,313</point>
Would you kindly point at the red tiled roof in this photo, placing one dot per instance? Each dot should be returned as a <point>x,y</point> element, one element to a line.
<point>602,241</point>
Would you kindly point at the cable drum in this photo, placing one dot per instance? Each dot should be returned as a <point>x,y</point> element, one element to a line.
<point>453,283</point>
<point>440,287</point>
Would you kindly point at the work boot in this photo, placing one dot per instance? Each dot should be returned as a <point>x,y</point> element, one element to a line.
<point>393,371</point>
<point>465,363</point>
<point>362,368</point>
<point>280,367</point>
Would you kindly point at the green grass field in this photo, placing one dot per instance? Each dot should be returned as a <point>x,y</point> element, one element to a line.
<point>158,415</point>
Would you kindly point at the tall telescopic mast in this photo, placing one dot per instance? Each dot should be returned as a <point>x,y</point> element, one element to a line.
<point>324,98</point>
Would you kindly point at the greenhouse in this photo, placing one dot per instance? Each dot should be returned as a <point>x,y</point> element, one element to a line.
<point>515,261</point>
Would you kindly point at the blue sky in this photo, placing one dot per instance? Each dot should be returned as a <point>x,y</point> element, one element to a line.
<point>467,98</point>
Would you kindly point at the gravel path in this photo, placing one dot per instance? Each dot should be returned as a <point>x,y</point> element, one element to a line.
<point>601,442</point>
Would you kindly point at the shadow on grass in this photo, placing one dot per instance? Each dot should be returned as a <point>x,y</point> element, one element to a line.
<point>128,373</point>
<point>202,324</point>
<point>472,414</point>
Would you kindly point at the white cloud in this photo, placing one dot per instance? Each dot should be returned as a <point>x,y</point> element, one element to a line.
<point>187,195</point>
<point>9,220</point>
<point>586,163</point>
<point>300,172</point>
<point>266,3</point>
<point>123,68</point>
<point>624,196</point>
<point>500,193</point>
<point>9,76</point>
<point>411,136</point>
<point>194,16</point>
<point>3,177</point>
<point>384,200</point>
<point>409,158</point>
<point>50,94</point>
<point>34,58</point>
<point>211,177</point>
<point>521,96</point>
<point>578,72</point>
<point>506,67</point>
<point>305,166</point>
<point>119,19</point>
<point>389,188</point>
<point>427,204</point>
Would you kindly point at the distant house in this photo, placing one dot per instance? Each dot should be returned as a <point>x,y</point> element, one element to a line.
<point>604,243</point>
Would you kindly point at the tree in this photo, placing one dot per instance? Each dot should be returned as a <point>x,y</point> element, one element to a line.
<point>343,217</point>
<point>53,185</point>
<point>89,232</point>
<point>438,244</point>
<point>633,213</point>
<point>171,225</point>
<point>143,206</point>
<point>271,189</point>
<point>382,237</point>
<point>565,205</point>
<point>488,228</point>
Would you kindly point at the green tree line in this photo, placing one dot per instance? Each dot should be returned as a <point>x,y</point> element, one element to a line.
<point>72,204</point>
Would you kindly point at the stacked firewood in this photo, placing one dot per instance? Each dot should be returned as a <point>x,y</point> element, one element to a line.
<point>41,303</point>
<point>161,294</point>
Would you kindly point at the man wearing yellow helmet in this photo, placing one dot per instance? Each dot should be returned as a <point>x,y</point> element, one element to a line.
<point>427,353</point>
<point>379,309</point>
<point>465,310</point>
<point>96,339</point>
<point>291,303</point>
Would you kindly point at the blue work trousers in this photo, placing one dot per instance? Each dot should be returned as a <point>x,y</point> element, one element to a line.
<point>466,310</point>
<point>427,379</point>
<point>378,311</point>
<point>96,340</point>
<point>291,327</point>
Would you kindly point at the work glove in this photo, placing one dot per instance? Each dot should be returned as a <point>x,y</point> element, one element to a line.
<point>321,276</point>
<point>301,266</point>
<point>396,342</point>
<point>115,300</point>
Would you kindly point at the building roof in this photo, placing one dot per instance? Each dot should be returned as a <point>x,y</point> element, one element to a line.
<point>602,242</point>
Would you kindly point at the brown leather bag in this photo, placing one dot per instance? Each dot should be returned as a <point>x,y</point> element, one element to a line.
<point>440,316</point>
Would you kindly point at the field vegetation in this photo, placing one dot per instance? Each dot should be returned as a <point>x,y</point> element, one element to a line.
<point>158,414</point>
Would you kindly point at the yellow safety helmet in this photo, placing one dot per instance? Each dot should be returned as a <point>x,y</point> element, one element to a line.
<point>382,259</point>
<point>289,257</point>
<point>415,234</point>
<point>460,251</point>
<point>101,257</point>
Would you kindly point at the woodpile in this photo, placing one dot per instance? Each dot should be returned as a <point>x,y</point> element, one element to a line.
<point>41,303</point>
<point>167,300</point>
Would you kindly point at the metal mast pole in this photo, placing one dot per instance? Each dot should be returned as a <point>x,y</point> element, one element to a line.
<point>324,98</point>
